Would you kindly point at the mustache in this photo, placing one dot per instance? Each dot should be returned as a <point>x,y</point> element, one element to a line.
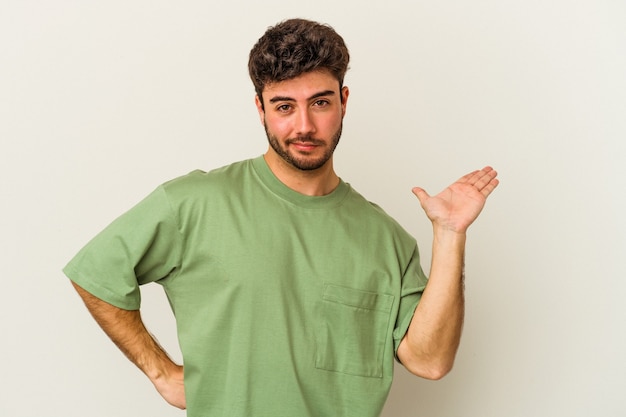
<point>305,139</point>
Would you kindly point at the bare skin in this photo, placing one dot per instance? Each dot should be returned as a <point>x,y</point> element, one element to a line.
<point>303,118</point>
<point>127,331</point>
<point>430,345</point>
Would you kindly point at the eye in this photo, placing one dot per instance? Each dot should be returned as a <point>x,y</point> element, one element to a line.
<point>321,103</point>
<point>283,108</point>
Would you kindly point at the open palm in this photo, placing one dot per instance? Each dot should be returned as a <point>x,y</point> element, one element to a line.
<point>456,207</point>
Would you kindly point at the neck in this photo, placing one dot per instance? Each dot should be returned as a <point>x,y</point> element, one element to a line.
<point>317,182</point>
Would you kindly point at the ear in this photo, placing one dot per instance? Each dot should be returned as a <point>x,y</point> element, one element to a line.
<point>259,108</point>
<point>345,92</point>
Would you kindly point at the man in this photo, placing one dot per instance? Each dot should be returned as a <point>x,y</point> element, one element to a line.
<point>292,293</point>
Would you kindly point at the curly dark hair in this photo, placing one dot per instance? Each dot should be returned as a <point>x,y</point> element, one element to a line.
<point>294,47</point>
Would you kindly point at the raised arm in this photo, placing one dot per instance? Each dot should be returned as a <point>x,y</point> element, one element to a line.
<point>430,345</point>
<point>127,331</point>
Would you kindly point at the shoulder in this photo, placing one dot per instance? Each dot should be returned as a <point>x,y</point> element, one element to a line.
<point>198,182</point>
<point>373,216</point>
<point>193,196</point>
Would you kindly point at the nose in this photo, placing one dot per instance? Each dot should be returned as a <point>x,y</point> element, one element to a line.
<point>304,123</point>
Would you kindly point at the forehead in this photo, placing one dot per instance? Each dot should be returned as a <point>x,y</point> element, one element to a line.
<point>303,86</point>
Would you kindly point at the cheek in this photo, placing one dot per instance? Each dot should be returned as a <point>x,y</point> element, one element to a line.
<point>278,127</point>
<point>331,124</point>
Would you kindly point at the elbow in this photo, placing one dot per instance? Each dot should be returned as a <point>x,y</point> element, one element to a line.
<point>433,364</point>
<point>435,373</point>
<point>432,367</point>
<point>431,371</point>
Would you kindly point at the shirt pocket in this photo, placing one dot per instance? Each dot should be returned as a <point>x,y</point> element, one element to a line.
<point>352,331</point>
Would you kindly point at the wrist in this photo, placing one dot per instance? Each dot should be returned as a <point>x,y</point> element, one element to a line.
<point>153,360</point>
<point>159,368</point>
<point>448,235</point>
<point>448,247</point>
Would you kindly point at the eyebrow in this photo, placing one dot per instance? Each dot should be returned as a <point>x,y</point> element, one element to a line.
<point>313,97</point>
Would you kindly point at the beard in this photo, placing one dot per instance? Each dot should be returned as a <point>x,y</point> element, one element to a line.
<point>304,162</point>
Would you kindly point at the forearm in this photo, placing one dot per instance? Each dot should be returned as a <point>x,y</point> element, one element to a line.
<point>431,343</point>
<point>128,332</point>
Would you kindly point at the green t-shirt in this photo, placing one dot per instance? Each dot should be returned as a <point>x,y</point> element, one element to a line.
<point>285,304</point>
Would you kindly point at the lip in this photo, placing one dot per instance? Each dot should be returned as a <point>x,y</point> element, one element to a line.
<point>304,146</point>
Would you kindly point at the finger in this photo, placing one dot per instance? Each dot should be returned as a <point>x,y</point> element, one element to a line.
<point>468,178</point>
<point>484,177</point>
<point>421,194</point>
<point>488,189</point>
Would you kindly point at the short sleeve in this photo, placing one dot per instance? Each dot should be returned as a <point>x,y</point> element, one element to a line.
<point>413,284</point>
<point>141,246</point>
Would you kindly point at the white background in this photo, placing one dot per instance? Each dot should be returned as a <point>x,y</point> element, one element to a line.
<point>102,101</point>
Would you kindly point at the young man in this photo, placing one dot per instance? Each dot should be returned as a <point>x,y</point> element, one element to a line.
<point>292,293</point>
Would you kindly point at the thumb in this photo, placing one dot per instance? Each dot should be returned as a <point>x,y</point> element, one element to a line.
<point>420,193</point>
